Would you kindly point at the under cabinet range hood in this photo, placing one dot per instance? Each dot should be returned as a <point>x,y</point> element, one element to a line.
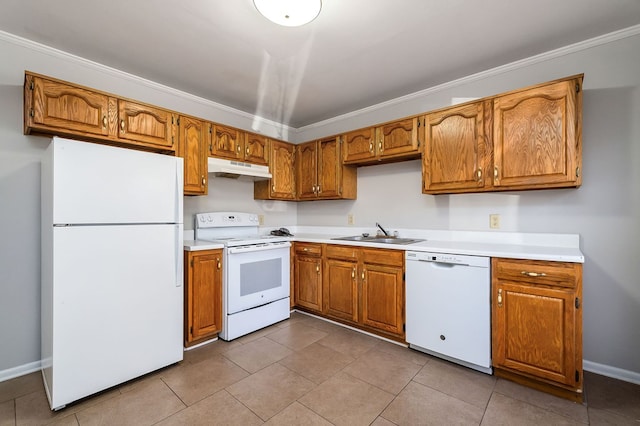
<point>237,169</point>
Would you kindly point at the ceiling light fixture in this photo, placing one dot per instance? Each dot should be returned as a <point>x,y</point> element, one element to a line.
<point>290,13</point>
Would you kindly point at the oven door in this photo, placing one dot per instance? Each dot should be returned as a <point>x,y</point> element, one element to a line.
<point>256,275</point>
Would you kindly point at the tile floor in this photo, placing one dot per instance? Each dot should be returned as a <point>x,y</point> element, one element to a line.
<point>305,371</point>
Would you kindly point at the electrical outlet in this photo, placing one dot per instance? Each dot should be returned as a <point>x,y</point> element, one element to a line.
<point>260,219</point>
<point>350,219</point>
<point>494,221</point>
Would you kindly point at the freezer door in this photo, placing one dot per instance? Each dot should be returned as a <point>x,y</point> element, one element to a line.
<point>117,306</point>
<point>95,184</point>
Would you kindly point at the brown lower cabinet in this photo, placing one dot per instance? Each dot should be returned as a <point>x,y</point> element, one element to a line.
<point>537,324</point>
<point>203,295</point>
<point>362,287</point>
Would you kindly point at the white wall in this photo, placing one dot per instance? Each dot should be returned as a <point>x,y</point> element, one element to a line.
<point>605,211</point>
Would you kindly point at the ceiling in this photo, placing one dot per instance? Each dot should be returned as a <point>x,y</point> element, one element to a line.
<point>357,53</point>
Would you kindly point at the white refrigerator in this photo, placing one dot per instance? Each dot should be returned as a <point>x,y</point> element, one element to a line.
<point>112,272</point>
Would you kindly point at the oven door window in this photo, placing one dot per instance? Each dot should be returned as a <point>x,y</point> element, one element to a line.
<point>255,278</point>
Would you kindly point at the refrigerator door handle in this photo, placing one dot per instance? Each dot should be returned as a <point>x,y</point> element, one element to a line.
<point>179,189</point>
<point>179,258</point>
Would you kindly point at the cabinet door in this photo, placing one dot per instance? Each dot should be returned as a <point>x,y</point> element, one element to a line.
<point>383,298</point>
<point>329,168</point>
<point>256,149</point>
<point>281,167</point>
<point>456,150</point>
<point>340,289</point>
<point>193,141</point>
<point>307,170</point>
<point>308,282</point>
<point>227,142</point>
<point>145,125</point>
<point>204,294</point>
<point>537,140</point>
<point>359,146</point>
<point>55,106</point>
<point>398,139</point>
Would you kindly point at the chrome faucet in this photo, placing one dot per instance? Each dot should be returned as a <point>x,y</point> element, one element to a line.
<point>382,229</point>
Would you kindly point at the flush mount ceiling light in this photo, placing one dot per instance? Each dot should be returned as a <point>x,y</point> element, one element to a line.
<point>290,13</point>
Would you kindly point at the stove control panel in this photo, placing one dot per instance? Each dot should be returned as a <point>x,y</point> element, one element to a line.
<point>225,219</point>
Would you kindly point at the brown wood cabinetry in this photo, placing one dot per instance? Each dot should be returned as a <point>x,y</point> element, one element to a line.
<point>320,172</point>
<point>203,295</point>
<point>282,185</point>
<point>537,136</point>
<point>365,287</point>
<point>308,276</point>
<point>193,142</point>
<point>537,324</point>
<point>235,144</point>
<point>394,141</point>
<point>145,125</point>
<point>457,152</point>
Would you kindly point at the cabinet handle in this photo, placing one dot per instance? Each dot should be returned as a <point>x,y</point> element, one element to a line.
<point>305,249</point>
<point>104,121</point>
<point>370,145</point>
<point>273,188</point>
<point>219,265</point>
<point>203,181</point>
<point>479,174</point>
<point>495,173</point>
<point>353,273</point>
<point>380,146</point>
<point>122,125</point>
<point>533,274</point>
<point>247,151</point>
<point>318,189</point>
<point>318,268</point>
<point>500,298</point>
<point>364,271</point>
<point>238,149</point>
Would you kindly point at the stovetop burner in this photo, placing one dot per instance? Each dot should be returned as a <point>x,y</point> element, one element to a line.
<point>232,229</point>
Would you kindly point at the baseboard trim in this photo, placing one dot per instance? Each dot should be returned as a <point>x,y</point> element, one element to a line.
<point>613,372</point>
<point>21,370</point>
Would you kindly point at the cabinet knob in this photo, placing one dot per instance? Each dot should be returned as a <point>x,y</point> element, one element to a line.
<point>318,268</point>
<point>247,150</point>
<point>533,274</point>
<point>219,265</point>
<point>353,273</point>
<point>495,173</point>
<point>273,188</point>
<point>104,121</point>
<point>203,181</point>
<point>305,249</point>
<point>370,145</point>
<point>364,271</point>
<point>479,174</point>
<point>500,298</point>
<point>380,146</point>
<point>238,149</point>
<point>122,125</point>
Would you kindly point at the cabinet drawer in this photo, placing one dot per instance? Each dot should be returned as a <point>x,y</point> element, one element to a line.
<point>341,252</point>
<point>308,249</point>
<point>558,274</point>
<point>383,257</point>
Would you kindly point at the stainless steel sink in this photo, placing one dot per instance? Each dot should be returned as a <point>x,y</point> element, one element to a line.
<point>384,239</point>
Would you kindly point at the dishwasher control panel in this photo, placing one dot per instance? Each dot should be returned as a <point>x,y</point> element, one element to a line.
<point>456,259</point>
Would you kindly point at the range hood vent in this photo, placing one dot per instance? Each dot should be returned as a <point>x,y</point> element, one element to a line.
<point>237,169</point>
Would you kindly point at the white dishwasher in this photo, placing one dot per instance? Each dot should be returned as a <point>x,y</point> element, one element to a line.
<point>448,307</point>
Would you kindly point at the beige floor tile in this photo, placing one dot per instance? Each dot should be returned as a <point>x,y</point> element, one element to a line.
<point>403,352</point>
<point>384,370</point>
<point>554,404</point>
<point>7,413</point>
<point>270,390</point>
<point>257,354</point>
<point>316,362</point>
<point>599,417</point>
<point>219,409</point>
<point>19,386</point>
<point>33,409</point>
<point>193,382</point>
<point>345,400</point>
<point>503,410</point>
<point>323,325</point>
<point>65,421</point>
<point>297,336</point>
<point>349,342</point>
<point>613,395</point>
<point>295,317</point>
<point>381,421</point>
<point>457,381</point>
<point>420,405</point>
<point>297,414</point>
<point>204,352</point>
<point>146,404</point>
<point>258,334</point>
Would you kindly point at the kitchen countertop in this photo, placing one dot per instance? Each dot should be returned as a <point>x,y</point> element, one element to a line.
<point>529,246</point>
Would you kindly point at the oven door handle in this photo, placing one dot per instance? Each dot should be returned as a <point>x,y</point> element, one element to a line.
<point>258,247</point>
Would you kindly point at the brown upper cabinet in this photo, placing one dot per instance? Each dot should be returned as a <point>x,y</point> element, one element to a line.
<point>537,136</point>
<point>525,139</point>
<point>282,185</point>
<point>235,144</point>
<point>194,136</point>
<point>55,107</point>
<point>320,172</point>
<point>394,141</point>
<point>456,154</point>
